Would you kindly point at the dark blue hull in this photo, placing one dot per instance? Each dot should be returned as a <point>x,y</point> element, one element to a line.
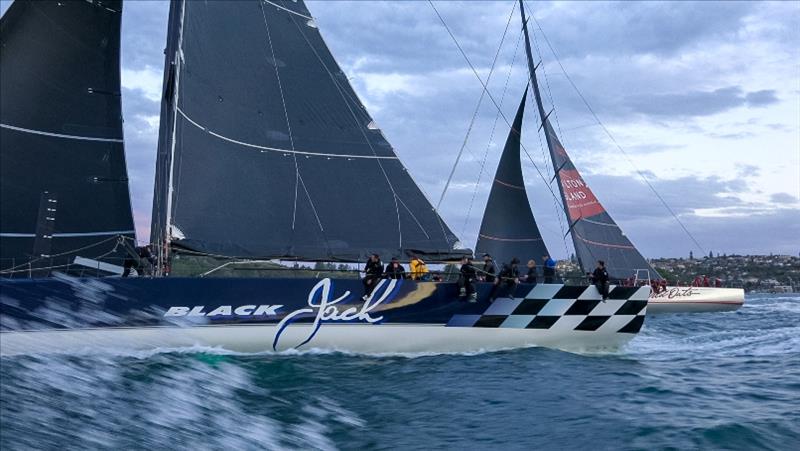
<point>284,306</point>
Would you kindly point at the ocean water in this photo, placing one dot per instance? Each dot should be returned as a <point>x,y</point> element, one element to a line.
<point>701,381</point>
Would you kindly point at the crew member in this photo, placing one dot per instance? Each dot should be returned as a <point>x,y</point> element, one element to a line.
<point>600,279</point>
<point>372,274</point>
<point>142,267</point>
<point>549,270</point>
<point>509,278</point>
<point>532,275</point>
<point>466,279</point>
<point>394,270</point>
<point>489,268</point>
<point>419,270</point>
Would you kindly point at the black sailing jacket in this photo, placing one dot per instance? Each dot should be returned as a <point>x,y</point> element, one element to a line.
<point>374,269</point>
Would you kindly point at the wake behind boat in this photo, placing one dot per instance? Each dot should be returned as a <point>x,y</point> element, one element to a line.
<point>265,152</point>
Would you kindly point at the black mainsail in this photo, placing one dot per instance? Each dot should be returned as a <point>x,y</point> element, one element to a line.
<point>266,151</point>
<point>63,180</point>
<point>508,228</point>
<point>595,234</point>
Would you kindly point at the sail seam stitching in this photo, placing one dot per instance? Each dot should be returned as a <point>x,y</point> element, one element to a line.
<point>597,243</point>
<point>489,237</point>
<point>288,10</point>
<point>67,235</point>
<point>509,184</point>
<point>599,223</point>
<point>275,149</point>
<point>60,135</point>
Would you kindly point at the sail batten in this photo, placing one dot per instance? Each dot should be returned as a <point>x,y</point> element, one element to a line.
<point>63,177</point>
<point>265,150</point>
<point>595,234</point>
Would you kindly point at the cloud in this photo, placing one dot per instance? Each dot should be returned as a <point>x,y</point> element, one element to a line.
<point>783,198</point>
<point>698,103</point>
<point>761,98</point>
<point>147,80</point>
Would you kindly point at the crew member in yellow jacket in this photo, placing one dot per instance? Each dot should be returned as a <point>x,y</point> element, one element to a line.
<point>419,271</point>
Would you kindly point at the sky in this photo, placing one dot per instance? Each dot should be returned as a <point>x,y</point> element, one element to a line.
<point>702,98</point>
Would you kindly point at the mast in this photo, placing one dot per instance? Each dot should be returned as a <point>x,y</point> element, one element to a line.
<point>161,232</point>
<point>594,233</point>
<point>545,124</point>
<point>532,73</point>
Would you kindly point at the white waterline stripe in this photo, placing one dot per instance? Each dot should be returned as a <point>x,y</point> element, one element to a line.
<point>59,135</point>
<point>68,235</point>
<point>288,10</point>
<point>286,151</point>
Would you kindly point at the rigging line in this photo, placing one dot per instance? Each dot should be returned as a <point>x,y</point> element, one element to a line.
<point>345,94</point>
<point>608,133</point>
<point>489,94</point>
<point>357,101</point>
<point>313,208</point>
<point>477,109</point>
<point>555,202</point>
<point>72,251</point>
<point>491,135</point>
<point>414,218</point>
<point>360,128</point>
<point>275,149</point>
<point>286,116</point>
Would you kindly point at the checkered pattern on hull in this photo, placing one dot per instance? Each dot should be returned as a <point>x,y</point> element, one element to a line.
<point>554,306</point>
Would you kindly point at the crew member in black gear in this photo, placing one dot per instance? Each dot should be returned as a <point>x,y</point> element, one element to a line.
<point>489,268</point>
<point>145,256</point>
<point>600,278</point>
<point>509,278</point>
<point>532,275</point>
<point>466,280</point>
<point>372,274</point>
<point>395,270</point>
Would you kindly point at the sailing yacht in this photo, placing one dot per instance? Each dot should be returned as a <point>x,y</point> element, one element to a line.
<point>509,229</point>
<point>265,152</point>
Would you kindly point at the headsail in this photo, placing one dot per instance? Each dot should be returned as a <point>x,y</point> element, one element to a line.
<point>265,150</point>
<point>62,162</point>
<point>595,234</point>
<point>508,228</point>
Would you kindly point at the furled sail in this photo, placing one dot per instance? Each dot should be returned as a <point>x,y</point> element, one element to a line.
<point>508,228</point>
<point>265,150</point>
<point>595,234</point>
<point>63,180</point>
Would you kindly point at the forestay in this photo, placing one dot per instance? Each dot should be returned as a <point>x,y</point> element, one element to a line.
<point>265,150</point>
<point>63,181</point>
